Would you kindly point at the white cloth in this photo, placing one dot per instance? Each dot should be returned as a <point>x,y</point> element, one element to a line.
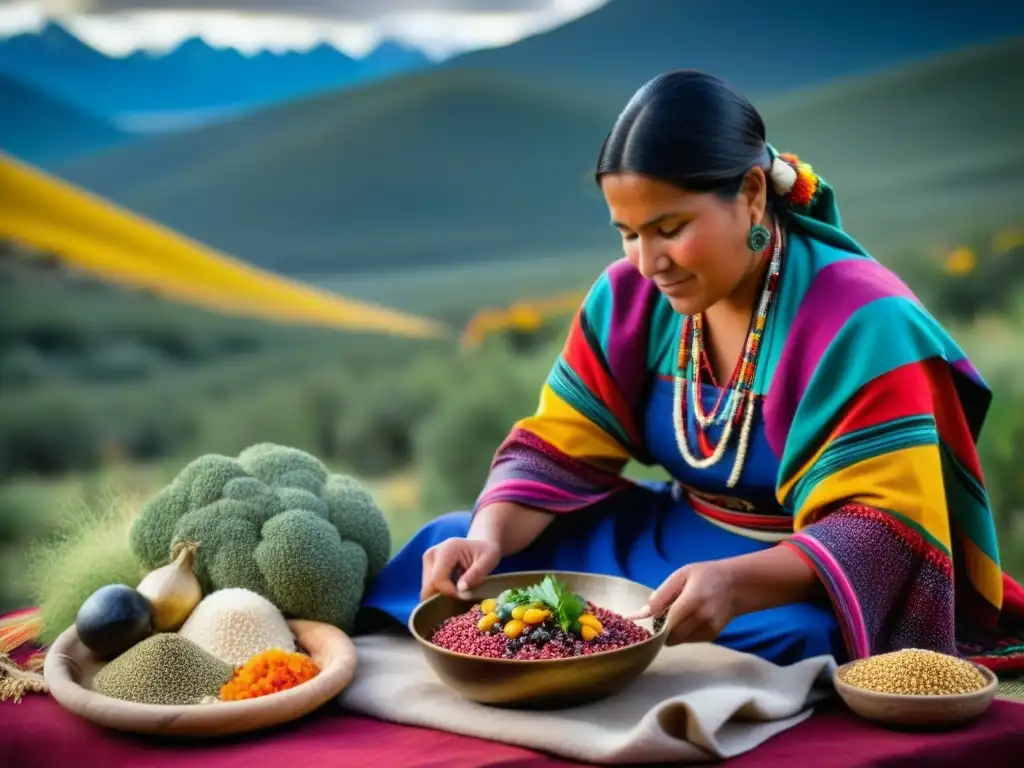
<point>695,703</point>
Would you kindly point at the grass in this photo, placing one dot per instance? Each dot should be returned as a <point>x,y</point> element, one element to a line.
<point>33,509</point>
<point>90,550</point>
<point>449,168</point>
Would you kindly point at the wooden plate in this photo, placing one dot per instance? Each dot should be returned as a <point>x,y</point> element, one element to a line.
<point>69,669</point>
<point>917,712</point>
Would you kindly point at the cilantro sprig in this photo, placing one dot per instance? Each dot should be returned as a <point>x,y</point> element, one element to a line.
<point>566,607</point>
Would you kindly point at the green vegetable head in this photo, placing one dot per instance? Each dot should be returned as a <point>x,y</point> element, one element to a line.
<point>274,521</point>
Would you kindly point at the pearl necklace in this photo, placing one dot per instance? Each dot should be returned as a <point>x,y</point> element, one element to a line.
<point>740,405</point>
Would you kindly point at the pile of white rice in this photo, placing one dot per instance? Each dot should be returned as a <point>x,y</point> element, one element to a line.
<point>235,624</point>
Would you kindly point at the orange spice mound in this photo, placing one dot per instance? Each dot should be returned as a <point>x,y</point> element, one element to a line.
<point>269,672</point>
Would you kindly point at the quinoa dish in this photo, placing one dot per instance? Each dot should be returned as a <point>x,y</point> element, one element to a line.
<point>542,622</point>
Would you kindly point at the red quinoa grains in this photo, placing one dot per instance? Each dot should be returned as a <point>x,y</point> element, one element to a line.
<point>535,641</point>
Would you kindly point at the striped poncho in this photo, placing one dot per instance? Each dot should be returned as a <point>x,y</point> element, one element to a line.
<point>872,411</point>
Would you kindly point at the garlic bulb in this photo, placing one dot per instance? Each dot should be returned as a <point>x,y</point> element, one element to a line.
<point>173,589</point>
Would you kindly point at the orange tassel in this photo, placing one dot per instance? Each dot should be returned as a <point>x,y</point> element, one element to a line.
<point>806,185</point>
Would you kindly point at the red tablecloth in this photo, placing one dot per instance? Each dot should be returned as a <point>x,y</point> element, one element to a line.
<point>37,732</point>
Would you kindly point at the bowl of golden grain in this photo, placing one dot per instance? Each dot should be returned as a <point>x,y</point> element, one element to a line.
<point>914,688</point>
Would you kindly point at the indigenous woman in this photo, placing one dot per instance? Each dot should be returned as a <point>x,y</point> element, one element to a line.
<point>818,424</point>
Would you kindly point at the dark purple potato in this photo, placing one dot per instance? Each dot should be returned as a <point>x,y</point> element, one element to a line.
<point>113,619</point>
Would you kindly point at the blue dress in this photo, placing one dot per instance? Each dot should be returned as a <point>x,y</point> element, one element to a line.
<point>647,533</point>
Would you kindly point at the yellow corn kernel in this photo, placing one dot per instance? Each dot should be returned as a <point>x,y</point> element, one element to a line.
<point>536,616</point>
<point>487,621</point>
<point>514,628</point>
<point>588,632</point>
<point>590,620</point>
<point>489,606</point>
<point>519,611</point>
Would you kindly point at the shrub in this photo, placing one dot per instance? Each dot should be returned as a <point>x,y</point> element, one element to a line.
<point>381,414</point>
<point>49,431</point>
<point>455,445</point>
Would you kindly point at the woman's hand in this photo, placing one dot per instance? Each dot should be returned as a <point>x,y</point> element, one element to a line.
<point>703,597</point>
<point>700,600</point>
<point>472,559</point>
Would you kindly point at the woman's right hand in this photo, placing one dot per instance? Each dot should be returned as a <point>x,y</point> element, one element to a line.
<point>468,560</point>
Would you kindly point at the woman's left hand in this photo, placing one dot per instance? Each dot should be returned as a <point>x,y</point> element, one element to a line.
<point>700,600</point>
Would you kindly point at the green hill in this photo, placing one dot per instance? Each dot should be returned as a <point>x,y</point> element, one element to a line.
<point>761,47</point>
<point>39,127</point>
<point>448,169</point>
<point>921,155</point>
<point>429,169</point>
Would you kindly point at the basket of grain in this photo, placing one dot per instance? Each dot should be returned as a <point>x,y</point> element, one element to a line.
<point>913,688</point>
<point>234,665</point>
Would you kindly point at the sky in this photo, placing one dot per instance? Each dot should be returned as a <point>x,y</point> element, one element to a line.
<point>439,27</point>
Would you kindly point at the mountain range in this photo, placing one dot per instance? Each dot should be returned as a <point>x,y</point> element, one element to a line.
<point>191,84</point>
<point>462,166</point>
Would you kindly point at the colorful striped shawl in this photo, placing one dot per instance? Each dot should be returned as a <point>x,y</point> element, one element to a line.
<point>871,408</point>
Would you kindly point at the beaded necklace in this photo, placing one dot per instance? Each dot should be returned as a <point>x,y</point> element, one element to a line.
<point>739,407</point>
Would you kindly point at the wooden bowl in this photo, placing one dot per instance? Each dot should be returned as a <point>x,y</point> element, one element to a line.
<point>69,669</point>
<point>547,683</point>
<point>923,712</point>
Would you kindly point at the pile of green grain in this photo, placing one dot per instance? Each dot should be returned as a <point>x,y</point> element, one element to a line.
<point>163,669</point>
<point>914,672</point>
